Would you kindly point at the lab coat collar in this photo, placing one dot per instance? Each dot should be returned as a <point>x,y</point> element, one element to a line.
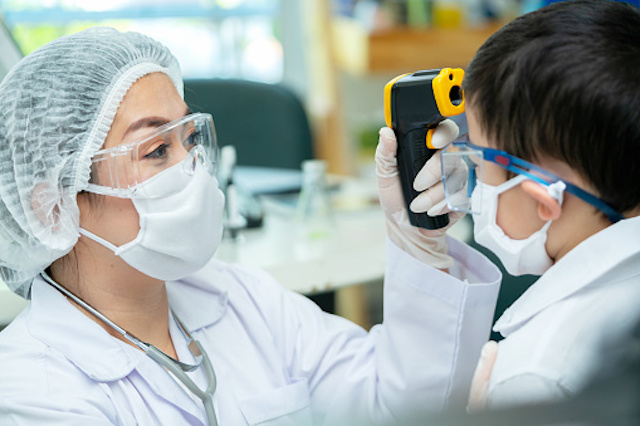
<point>610,255</point>
<point>200,300</point>
<point>60,325</point>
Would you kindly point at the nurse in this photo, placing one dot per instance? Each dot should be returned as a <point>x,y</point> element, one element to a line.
<point>109,218</point>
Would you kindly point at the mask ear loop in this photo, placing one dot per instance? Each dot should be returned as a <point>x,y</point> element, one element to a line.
<point>511,183</point>
<point>556,190</point>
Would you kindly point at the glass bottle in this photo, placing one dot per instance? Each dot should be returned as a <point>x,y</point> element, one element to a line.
<point>314,214</point>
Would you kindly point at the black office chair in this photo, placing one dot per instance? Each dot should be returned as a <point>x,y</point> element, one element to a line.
<point>266,123</point>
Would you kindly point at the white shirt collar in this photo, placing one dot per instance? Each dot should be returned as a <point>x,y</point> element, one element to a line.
<point>607,256</point>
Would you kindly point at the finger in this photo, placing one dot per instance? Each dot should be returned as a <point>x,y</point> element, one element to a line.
<point>455,182</point>
<point>429,174</point>
<point>386,162</point>
<point>438,208</point>
<point>387,144</point>
<point>457,179</point>
<point>446,132</point>
<point>458,199</point>
<point>488,357</point>
<point>478,397</point>
<point>421,203</point>
<point>427,199</point>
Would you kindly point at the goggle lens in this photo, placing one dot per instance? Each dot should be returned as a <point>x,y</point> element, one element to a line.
<point>123,170</point>
<point>462,166</point>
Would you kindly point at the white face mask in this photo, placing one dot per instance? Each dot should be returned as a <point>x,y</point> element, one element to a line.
<point>519,257</point>
<point>179,231</point>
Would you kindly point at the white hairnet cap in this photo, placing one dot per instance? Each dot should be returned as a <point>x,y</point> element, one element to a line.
<point>56,106</point>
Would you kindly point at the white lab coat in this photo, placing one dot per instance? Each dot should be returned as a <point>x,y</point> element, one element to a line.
<point>278,358</point>
<point>557,330</point>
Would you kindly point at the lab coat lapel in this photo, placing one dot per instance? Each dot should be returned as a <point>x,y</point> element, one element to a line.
<point>612,253</point>
<point>103,358</point>
<point>200,299</point>
<point>88,346</point>
<point>160,382</point>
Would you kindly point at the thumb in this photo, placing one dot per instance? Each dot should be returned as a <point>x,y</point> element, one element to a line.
<point>478,397</point>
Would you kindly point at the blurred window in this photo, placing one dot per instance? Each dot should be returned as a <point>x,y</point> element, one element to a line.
<point>210,38</point>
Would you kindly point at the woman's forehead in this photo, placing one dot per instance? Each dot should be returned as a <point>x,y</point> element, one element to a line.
<point>151,101</point>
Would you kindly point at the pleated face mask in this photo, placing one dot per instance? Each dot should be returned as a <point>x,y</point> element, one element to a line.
<point>519,257</point>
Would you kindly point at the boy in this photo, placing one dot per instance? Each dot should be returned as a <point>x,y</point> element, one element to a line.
<point>558,88</point>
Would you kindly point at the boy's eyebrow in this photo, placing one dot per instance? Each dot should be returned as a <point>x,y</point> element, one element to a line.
<point>153,121</point>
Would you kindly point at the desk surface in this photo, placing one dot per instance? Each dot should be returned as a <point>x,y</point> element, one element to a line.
<point>353,252</point>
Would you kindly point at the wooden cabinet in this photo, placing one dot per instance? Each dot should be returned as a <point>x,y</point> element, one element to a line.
<point>401,50</point>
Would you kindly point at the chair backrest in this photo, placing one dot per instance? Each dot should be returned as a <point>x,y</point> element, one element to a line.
<point>266,123</point>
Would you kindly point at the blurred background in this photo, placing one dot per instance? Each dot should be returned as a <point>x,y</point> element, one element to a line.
<point>335,55</point>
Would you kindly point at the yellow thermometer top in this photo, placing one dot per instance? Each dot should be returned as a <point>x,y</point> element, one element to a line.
<point>447,85</point>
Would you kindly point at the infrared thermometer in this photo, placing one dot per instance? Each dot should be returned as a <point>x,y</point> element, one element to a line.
<point>414,104</point>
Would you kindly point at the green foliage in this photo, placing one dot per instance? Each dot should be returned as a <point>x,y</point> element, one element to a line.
<point>368,139</point>
<point>32,37</point>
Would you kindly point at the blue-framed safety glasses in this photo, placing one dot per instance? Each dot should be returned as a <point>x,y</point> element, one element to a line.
<point>464,163</point>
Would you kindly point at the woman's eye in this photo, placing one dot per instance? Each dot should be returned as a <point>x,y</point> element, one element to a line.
<point>159,152</point>
<point>191,140</point>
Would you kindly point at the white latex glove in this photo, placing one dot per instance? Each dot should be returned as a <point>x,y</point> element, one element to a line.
<point>478,397</point>
<point>426,245</point>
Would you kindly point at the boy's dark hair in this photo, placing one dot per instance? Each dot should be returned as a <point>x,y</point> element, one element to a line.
<point>564,82</point>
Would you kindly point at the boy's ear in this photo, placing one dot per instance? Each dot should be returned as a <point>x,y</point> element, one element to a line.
<point>548,207</point>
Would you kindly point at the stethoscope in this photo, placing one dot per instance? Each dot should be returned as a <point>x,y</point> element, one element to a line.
<point>177,368</point>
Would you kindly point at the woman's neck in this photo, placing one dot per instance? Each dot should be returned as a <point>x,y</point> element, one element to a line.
<point>134,301</point>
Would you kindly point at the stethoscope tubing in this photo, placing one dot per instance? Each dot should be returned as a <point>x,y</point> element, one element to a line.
<point>175,367</point>
<point>205,396</point>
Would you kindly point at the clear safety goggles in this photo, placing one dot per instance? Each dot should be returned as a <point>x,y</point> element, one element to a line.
<point>122,171</point>
<point>464,164</point>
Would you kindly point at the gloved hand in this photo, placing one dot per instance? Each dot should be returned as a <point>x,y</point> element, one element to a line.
<point>426,245</point>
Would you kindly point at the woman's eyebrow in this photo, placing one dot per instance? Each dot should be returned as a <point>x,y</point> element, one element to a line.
<point>146,122</point>
<point>150,122</point>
